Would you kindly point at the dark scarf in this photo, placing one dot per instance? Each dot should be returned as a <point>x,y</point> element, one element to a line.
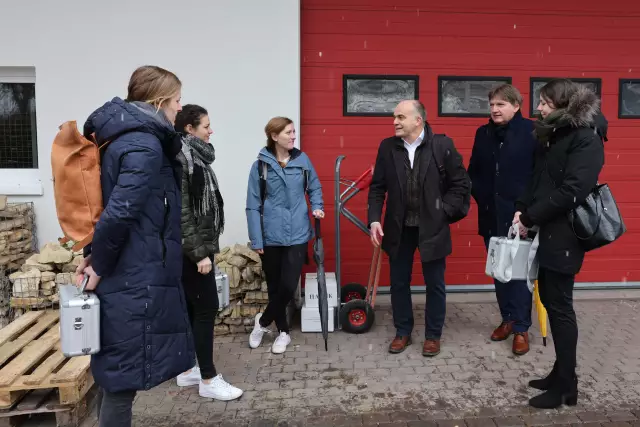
<point>545,128</point>
<point>204,192</point>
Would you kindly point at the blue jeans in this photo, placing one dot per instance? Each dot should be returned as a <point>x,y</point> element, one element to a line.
<point>433,273</point>
<point>515,301</point>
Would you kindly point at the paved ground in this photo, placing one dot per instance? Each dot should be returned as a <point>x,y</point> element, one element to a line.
<point>473,382</point>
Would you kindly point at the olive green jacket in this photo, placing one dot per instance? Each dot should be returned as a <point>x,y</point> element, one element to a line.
<point>198,239</point>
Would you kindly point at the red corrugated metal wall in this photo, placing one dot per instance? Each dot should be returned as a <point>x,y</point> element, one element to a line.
<point>541,39</point>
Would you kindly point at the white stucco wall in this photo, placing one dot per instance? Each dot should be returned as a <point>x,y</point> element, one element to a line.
<point>239,59</point>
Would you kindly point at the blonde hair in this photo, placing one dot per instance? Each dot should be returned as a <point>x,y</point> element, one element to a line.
<point>153,85</point>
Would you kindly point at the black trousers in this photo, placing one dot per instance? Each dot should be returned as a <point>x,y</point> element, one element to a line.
<point>202,304</point>
<point>282,267</point>
<point>115,409</point>
<point>556,294</point>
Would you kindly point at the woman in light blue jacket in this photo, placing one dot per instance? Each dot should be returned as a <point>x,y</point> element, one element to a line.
<point>278,221</point>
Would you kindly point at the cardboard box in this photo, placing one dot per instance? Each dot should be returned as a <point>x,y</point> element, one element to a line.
<point>311,290</point>
<point>310,319</point>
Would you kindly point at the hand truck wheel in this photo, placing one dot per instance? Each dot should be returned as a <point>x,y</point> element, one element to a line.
<point>352,291</point>
<point>357,316</point>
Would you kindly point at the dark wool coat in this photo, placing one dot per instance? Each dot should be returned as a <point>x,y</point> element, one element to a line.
<point>566,170</point>
<point>500,171</point>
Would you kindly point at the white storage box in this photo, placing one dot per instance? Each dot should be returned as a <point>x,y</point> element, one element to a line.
<point>222,283</point>
<point>311,290</point>
<point>310,319</point>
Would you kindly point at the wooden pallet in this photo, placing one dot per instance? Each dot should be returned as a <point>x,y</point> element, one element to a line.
<point>30,359</point>
<point>45,401</point>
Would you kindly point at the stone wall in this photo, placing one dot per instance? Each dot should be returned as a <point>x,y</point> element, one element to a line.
<point>247,289</point>
<point>17,243</point>
<point>17,234</point>
<point>35,285</point>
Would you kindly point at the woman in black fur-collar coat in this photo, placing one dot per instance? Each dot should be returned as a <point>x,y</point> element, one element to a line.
<point>567,165</point>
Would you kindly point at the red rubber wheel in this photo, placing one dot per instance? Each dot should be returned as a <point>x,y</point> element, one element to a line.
<point>357,316</point>
<point>352,291</point>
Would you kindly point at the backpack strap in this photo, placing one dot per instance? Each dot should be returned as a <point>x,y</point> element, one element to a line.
<point>262,171</point>
<point>437,146</point>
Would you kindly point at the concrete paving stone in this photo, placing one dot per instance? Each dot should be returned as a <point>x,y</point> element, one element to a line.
<point>480,422</point>
<point>621,416</point>
<point>451,423</point>
<point>509,421</point>
<point>473,380</point>
<point>592,417</point>
<point>565,419</point>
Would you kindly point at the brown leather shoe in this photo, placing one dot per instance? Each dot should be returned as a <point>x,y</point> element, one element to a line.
<point>502,332</point>
<point>431,348</point>
<point>399,344</point>
<point>520,343</point>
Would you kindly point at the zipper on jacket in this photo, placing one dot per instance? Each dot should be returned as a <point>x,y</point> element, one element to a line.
<point>163,229</point>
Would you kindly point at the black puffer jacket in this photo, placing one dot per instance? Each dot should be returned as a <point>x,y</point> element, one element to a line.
<point>566,170</point>
<point>198,238</point>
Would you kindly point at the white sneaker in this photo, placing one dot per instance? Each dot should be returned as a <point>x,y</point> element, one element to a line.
<point>280,344</point>
<point>192,378</point>
<point>255,339</point>
<point>219,389</point>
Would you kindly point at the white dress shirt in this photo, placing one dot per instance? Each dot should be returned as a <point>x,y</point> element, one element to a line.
<point>412,147</point>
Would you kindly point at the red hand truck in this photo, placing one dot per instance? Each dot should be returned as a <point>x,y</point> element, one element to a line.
<point>356,314</point>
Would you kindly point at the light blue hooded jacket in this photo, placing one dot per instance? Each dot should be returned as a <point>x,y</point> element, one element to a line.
<point>286,213</point>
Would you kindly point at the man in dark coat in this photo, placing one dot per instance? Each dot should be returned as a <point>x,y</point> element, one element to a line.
<point>500,168</point>
<point>420,206</point>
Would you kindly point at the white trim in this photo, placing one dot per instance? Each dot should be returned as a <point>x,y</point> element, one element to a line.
<point>17,75</point>
<point>20,182</point>
<point>298,78</point>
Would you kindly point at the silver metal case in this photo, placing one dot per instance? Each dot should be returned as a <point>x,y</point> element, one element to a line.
<point>79,321</point>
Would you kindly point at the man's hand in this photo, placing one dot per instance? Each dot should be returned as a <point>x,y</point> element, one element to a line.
<point>204,266</point>
<point>376,233</point>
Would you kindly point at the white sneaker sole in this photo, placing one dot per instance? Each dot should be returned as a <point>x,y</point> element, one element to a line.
<point>254,345</point>
<point>279,350</point>
<point>187,383</point>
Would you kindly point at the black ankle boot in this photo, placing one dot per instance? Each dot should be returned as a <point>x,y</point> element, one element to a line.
<point>545,383</point>
<point>560,393</point>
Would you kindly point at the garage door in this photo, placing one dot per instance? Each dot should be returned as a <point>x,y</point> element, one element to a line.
<point>458,50</point>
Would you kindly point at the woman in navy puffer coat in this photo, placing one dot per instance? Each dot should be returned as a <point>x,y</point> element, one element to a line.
<point>135,259</point>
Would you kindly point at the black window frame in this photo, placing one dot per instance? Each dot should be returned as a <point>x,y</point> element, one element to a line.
<point>537,79</point>
<point>346,77</point>
<point>621,83</point>
<point>35,164</point>
<point>474,78</point>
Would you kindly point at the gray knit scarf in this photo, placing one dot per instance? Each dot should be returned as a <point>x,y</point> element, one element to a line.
<point>205,196</point>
